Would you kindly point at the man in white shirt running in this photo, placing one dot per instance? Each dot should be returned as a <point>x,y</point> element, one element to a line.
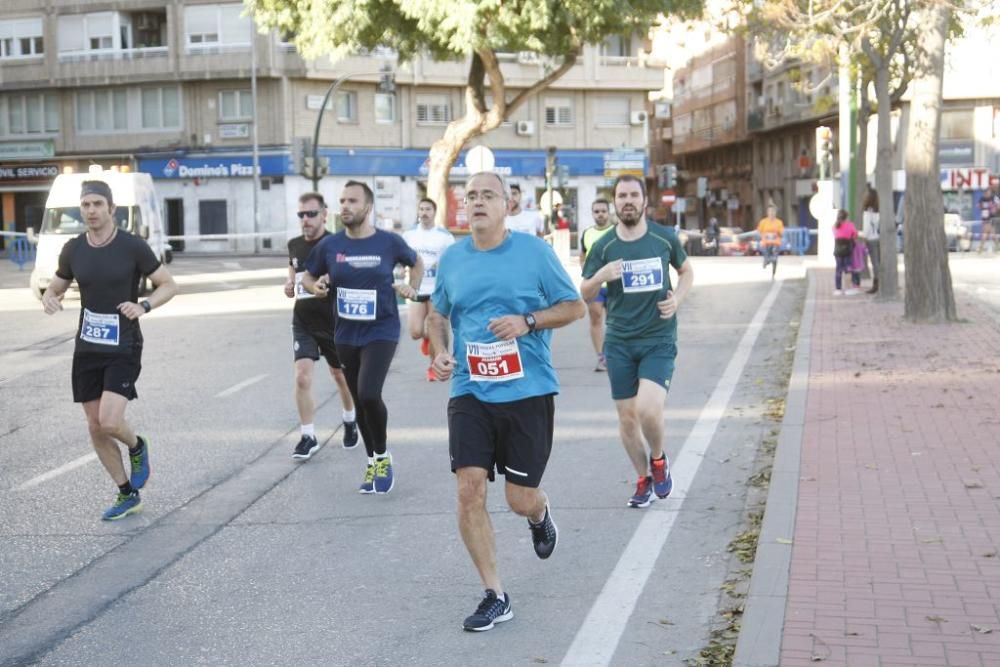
<point>521,220</point>
<point>429,242</point>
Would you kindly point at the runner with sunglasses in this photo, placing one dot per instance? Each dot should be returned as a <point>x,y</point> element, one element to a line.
<point>312,331</point>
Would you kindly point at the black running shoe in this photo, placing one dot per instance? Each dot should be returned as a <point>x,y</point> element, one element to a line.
<point>490,611</point>
<point>306,448</point>
<point>544,535</point>
<point>350,435</point>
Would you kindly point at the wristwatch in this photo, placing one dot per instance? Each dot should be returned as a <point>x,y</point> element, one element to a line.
<point>529,319</point>
<point>146,305</point>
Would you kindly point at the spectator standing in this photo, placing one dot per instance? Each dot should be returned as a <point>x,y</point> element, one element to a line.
<point>869,230</point>
<point>845,236</point>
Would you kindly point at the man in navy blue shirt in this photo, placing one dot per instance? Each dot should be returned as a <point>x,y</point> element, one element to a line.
<point>501,411</point>
<point>355,268</point>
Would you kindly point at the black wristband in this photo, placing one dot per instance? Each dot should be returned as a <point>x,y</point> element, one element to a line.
<point>146,305</point>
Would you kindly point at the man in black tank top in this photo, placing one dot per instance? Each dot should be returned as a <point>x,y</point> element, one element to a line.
<point>108,264</point>
<point>312,330</point>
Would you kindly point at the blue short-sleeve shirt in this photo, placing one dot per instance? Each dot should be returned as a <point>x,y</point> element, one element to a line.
<point>361,278</point>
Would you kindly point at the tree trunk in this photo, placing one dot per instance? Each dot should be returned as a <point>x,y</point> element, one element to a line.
<point>888,284</point>
<point>928,295</point>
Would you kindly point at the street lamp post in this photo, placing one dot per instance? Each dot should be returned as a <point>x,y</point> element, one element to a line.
<point>386,84</point>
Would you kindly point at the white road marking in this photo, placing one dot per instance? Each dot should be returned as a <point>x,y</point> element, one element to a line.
<point>240,385</point>
<point>598,637</point>
<point>55,472</point>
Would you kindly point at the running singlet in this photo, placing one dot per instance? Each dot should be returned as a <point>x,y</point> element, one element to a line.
<point>521,275</point>
<point>107,276</point>
<point>429,244</point>
<point>632,311</point>
<point>361,278</point>
<point>590,236</point>
<point>313,313</point>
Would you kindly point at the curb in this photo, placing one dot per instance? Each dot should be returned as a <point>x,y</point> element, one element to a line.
<point>759,643</point>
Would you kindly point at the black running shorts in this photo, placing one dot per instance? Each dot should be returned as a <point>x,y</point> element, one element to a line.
<point>94,374</point>
<point>514,438</point>
<point>308,344</point>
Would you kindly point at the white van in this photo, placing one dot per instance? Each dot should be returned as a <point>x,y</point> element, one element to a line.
<point>137,211</point>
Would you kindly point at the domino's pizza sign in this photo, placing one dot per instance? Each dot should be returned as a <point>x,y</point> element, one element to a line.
<point>214,166</point>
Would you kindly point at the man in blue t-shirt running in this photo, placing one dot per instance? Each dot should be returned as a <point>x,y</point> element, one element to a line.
<point>355,268</point>
<point>501,410</point>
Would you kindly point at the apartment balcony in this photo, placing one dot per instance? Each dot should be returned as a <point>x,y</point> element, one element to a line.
<point>215,61</point>
<point>138,64</point>
<point>706,138</point>
<point>755,120</point>
<point>23,73</point>
<point>722,90</point>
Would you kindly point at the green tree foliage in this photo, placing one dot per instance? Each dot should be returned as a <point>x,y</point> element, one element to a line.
<point>464,29</point>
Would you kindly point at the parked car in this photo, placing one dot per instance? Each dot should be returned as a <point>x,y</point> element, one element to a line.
<point>733,241</point>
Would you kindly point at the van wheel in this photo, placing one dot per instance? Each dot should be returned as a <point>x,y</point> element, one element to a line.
<point>168,256</point>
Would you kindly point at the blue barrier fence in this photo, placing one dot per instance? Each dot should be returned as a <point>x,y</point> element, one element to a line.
<point>21,251</point>
<point>796,240</point>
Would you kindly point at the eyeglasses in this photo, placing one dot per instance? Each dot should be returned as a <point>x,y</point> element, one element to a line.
<point>307,214</point>
<point>486,196</point>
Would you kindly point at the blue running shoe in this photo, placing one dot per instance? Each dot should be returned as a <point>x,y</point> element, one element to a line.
<point>368,486</point>
<point>140,464</point>
<point>383,475</point>
<point>124,505</point>
<point>643,493</point>
<point>490,611</point>
<point>662,483</point>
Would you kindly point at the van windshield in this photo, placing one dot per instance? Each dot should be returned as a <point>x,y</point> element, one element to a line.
<point>70,221</point>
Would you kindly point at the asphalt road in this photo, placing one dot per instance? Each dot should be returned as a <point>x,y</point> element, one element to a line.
<point>243,556</point>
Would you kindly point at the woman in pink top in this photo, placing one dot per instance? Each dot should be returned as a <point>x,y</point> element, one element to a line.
<point>845,234</point>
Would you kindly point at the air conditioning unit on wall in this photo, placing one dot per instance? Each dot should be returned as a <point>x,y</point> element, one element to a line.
<point>525,128</point>
<point>637,117</point>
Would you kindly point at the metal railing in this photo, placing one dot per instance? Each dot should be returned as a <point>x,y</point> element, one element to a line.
<point>89,55</point>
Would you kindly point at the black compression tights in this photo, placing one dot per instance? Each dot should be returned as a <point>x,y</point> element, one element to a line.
<point>365,369</point>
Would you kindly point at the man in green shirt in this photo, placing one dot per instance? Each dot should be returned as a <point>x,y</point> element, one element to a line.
<point>601,210</point>
<point>641,339</point>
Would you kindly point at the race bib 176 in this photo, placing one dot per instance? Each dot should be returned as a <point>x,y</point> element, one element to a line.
<point>356,304</point>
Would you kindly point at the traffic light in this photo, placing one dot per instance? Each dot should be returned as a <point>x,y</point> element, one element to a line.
<point>824,151</point>
<point>562,175</point>
<point>671,176</point>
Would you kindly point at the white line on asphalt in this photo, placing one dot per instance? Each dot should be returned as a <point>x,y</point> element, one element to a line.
<point>598,637</point>
<point>240,385</point>
<point>55,472</point>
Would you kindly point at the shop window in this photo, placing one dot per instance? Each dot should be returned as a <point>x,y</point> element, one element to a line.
<point>212,217</point>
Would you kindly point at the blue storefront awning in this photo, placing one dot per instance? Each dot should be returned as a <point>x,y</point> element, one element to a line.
<point>366,162</point>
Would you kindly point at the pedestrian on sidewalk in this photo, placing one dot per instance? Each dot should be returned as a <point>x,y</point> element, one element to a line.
<point>313,325</point>
<point>356,266</point>
<point>640,343</point>
<point>845,237</point>
<point>870,231</point>
<point>106,261</point>
<point>502,293</point>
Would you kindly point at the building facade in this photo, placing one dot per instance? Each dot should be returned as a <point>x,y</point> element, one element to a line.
<point>164,86</point>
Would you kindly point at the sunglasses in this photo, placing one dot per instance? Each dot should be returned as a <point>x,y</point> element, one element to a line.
<point>307,214</point>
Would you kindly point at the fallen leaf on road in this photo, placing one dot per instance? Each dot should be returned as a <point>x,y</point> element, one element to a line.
<point>858,374</point>
<point>937,619</point>
<point>981,629</point>
<point>932,540</point>
<point>783,540</point>
<point>973,485</point>
<point>990,554</point>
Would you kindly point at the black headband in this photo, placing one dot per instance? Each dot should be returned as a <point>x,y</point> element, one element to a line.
<point>97,188</point>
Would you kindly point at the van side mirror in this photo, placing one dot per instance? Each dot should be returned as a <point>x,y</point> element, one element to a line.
<point>144,231</point>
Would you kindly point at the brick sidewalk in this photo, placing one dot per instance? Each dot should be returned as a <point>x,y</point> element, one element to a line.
<point>895,555</point>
